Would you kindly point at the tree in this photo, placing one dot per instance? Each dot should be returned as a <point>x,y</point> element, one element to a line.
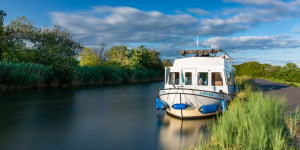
<point>19,38</point>
<point>89,57</point>
<point>143,57</point>
<point>2,15</point>
<point>52,47</point>
<point>100,50</point>
<point>118,55</point>
<point>136,57</point>
<point>56,45</point>
<point>167,63</point>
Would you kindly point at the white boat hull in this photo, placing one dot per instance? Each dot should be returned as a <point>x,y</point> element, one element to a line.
<point>194,99</point>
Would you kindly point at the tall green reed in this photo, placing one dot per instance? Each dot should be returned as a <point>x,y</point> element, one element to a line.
<point>19,75</point>
<point>253,121</point>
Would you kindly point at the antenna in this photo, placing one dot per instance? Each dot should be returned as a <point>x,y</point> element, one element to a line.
<point>197,39</point>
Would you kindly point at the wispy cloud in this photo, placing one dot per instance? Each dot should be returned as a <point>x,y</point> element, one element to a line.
<point>173,31</point>
<point>126,24</point>
<point>198,11</point>
<point>252,42</point>
<point>243,18</point>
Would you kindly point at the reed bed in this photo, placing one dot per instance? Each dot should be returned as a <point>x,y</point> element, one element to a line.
<point>114,74</point>
<point>252,121</point>
<point>22,75</point>
<point>28,75</point>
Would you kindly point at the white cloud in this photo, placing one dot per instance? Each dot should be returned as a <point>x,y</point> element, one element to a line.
<point>126,24</point>
<point>251,42</point>
<point>198,11</point>
<point>172,31</point>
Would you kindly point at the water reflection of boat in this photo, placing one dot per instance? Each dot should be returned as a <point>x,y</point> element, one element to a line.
<point>177,133</point>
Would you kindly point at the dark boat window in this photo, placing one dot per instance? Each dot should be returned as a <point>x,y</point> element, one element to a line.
<point>188,78</point>
<point>174,78</point>
<point>216,79</point>
<point>202,78</point>
<point>229,78</point>
<point>233,78</point>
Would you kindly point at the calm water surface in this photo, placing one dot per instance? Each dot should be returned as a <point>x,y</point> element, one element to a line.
<point>110,117</point>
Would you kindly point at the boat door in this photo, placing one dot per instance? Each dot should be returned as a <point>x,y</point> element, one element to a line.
<point>188,78</point>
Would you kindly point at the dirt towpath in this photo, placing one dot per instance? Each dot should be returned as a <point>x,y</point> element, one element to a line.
<point>292,94</point>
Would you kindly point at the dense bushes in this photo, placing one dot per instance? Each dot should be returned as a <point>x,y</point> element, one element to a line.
<point>290,72</point>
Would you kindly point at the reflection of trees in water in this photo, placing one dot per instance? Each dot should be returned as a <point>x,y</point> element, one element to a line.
<point>177,133</point>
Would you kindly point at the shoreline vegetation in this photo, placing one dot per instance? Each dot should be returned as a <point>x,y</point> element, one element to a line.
<point>288,74</point>
<point>34,57</point>
<point>253,121</point>
<point>28,75</point>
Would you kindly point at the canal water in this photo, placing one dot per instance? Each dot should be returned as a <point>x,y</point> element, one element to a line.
<point>108,117</point>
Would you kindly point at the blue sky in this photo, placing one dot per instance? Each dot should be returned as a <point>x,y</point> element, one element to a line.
<point>267,31</point>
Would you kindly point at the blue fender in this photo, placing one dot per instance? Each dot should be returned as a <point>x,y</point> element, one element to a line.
<point>206,109</point>
<point>161,104</point>
<point>179,106</point>
<point>223,105</point>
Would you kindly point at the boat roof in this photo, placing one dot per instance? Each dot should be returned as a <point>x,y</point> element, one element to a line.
<point>194,62</point>
<point>200,53</point>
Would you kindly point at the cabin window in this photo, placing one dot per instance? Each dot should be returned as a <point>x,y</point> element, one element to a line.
<point>229,78</point>
<point>233,78</point>
<point>216,79</point>
<point>188,78</point>
<point>202,78</point>
<point>174,78</point>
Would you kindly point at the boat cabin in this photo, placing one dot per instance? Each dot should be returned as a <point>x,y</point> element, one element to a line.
<point>205,71</point>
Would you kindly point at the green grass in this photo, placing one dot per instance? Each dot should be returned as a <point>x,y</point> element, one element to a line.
<point>112,74</point>
<point>293,84</point>
<point>28,75</point>
<point>252,121</point>
<point>23,75</point>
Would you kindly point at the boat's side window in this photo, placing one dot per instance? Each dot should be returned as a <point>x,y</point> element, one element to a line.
<point>188,78</point>
<point>216,79</point>
<point>233,78</point>
<point>202,78</point>
<point>229,78</point>
<point>174,78</point>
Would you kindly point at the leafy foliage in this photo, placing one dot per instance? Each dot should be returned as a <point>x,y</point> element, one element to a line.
<point>289,72</point>
<point>167,63</point>
<point>52,47</point>
<point>118,55</point>
<point>2,15</point>
<point>89,57</point>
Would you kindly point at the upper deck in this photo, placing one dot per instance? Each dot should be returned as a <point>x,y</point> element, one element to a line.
<point>203,58</point>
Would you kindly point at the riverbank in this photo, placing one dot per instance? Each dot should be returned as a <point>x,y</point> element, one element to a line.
<point>29,75</point>
<point>253,121</point>
<point>292,84</point>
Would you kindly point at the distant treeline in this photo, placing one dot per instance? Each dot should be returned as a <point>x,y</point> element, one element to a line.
<point>289,72</point>
<point>31,56</point>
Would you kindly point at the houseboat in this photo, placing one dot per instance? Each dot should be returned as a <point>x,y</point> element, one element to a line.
<point>198,86</point>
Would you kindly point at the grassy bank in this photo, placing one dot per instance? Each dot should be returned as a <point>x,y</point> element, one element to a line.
<point>292,84</point>
<point>28,75</point>
<point>253,121</point>
<point>288,74</point>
